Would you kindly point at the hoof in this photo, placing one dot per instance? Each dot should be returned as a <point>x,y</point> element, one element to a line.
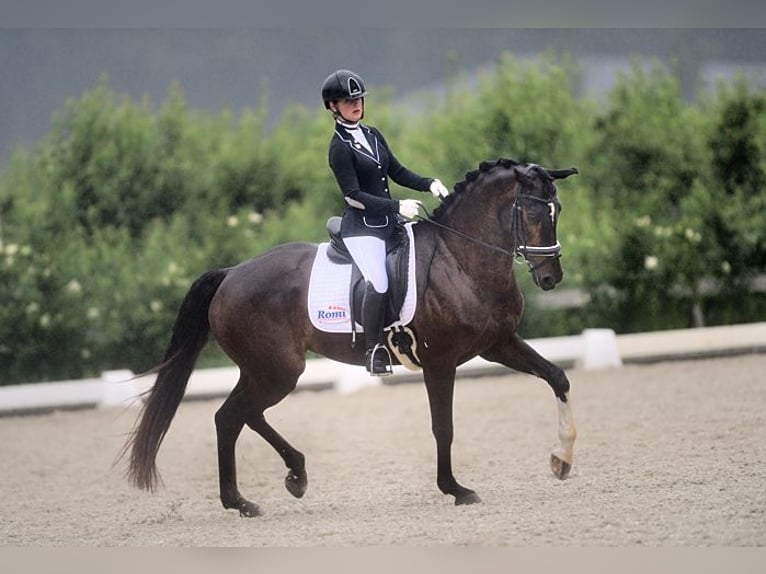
<point>560,467</point>
<point>245,507</point>
<point>296,483</point>
<point>468,498</point>
<point>248,509</point>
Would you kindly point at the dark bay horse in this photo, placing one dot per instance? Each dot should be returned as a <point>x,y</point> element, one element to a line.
<point>468,305</point>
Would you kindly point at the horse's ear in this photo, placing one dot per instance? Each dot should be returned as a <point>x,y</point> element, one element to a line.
<point>562,173</point>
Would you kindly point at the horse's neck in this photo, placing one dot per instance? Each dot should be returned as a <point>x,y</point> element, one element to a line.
<point>477,223</point>
<point>484,292</point>
<point>472,251</point>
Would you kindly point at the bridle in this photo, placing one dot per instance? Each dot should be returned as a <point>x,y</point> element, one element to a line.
<point>521,249</point>
<point>549,252</point>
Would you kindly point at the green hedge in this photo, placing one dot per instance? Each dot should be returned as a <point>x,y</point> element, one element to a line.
<point>107,220</point>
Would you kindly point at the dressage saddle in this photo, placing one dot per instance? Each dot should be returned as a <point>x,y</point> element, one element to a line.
<point>401,340</point>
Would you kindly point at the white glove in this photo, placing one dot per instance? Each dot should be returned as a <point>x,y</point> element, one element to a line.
<point>438,190</point>
<point>409,207</point>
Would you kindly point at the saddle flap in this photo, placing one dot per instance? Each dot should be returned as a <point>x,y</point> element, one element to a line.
<point>331,289</point>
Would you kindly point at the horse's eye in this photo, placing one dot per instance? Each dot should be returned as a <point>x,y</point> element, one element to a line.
<point>536,213</point>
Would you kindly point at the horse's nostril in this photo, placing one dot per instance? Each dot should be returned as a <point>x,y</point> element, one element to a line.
<point>547,283</point>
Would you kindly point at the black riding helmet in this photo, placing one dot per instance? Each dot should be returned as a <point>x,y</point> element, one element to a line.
<point>342,85</point>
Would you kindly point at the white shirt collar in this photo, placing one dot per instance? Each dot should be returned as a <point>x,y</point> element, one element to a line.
<point>356,132</point>
<point>347,125</point>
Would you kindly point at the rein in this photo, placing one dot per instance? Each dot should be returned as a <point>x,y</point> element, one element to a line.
<point>521,249</point>
<point>466,236</point>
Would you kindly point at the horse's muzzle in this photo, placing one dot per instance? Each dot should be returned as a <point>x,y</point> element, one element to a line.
<point>547,283</point>
<point>547,273</point>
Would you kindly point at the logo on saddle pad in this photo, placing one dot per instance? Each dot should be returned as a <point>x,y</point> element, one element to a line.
<point>332,314</point>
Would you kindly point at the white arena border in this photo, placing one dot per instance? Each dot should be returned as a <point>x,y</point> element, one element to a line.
<point>593,349</point>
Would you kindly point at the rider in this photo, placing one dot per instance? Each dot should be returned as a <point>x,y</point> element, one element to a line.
<point>362,161</point>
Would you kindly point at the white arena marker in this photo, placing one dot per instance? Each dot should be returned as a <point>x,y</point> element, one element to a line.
<point>600,350</point>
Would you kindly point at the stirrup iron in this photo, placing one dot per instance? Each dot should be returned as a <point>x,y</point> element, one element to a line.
<point>387,362</point>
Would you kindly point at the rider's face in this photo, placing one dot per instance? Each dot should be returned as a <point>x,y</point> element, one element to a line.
<point>351,110</point>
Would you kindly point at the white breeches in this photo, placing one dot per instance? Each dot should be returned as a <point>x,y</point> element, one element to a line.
<point>369,254</point>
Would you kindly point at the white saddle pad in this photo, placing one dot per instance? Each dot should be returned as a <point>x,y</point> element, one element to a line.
<point>329,292</point>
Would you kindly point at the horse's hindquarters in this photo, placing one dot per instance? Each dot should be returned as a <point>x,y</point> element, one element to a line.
<point>259,312</point>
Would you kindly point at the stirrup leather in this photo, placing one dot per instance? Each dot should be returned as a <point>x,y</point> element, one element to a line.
<point>387,363</point>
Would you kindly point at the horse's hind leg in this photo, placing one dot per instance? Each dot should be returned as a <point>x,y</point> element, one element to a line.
<point>274,382</point>
<point>517,354</point>
<point>246,405</point>
<point>296,480</point>
<point>229,420</point>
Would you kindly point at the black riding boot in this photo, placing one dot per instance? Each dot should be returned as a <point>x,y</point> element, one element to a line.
<point>377,359</point>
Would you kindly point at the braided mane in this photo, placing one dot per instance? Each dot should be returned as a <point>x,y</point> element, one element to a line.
<point>471,177</point>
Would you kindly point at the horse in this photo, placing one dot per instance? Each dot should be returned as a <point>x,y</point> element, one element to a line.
<point>468,304</point>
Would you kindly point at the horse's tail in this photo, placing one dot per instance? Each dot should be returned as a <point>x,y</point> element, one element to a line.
<point>190,334</point>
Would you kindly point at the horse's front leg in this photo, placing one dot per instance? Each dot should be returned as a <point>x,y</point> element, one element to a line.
<point>440,386</point>
<point>515,353</point>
